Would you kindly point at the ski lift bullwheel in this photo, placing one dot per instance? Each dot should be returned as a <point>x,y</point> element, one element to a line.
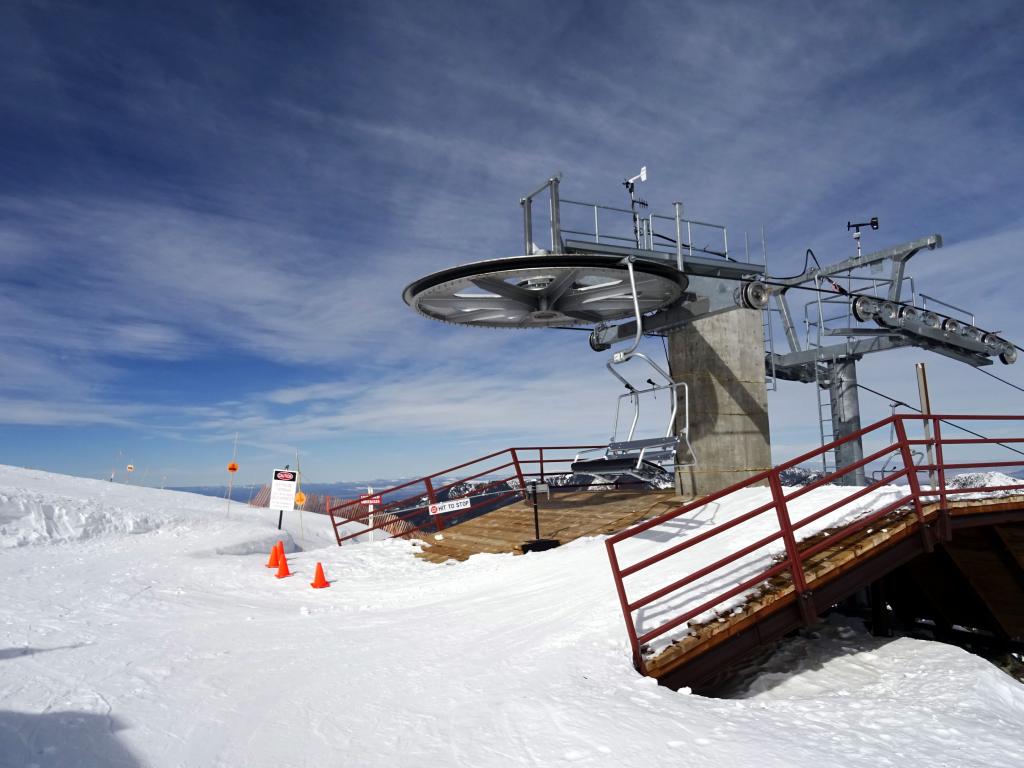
<point>544,291</point>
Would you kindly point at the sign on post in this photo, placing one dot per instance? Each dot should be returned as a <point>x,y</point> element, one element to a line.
<point>448,506</point>
<point>370,500</point>
<point>282,490</point>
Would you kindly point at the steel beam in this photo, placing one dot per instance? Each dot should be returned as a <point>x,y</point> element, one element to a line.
<point>899,253</point>
<point>842,390</point>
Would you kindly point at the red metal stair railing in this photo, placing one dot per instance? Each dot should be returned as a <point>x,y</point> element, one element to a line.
<point>490,481</point>
<point>676,601</point>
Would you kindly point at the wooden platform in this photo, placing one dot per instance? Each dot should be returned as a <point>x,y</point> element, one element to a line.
<point>566,516</point>
<point>836,572</point>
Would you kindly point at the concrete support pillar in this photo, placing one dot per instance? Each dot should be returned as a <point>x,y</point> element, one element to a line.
<point>721,359</point>
<point>842,391</point>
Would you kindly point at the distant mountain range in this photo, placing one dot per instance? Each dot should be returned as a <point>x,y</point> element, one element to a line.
<point>353,489</point>
<point>341,490</point>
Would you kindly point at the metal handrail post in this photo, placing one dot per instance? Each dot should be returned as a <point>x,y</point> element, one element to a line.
<point>334,522</point>
<point>679,235</point>
<point>432,499</point>
<point>796,565</point>
<point>527,203</point>
<point>620,588</point>
<point>912,481</point>
<point>519,470</point>
<point>556,224</point>
<point>945,529</point>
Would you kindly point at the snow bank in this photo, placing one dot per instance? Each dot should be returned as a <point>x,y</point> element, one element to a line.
<point>38,508</point>
<point>76,509</point>
<point>984,480</point>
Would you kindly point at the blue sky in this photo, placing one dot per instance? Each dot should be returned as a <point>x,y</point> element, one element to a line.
<point>208,211</point>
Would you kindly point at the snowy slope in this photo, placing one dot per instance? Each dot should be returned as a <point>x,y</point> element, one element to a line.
<point>145,630</point>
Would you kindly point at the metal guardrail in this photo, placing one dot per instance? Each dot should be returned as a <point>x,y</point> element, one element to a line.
<point>788,530</point>
<point>492,481</point>
<point>620,226</point>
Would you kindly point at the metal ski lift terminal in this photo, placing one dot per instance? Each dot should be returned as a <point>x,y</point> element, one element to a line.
<point>629,272</point>
<point>624,274</point>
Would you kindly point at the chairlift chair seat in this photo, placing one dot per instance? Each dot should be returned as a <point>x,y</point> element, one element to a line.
<point>641,470</point>
<point>643,459</point>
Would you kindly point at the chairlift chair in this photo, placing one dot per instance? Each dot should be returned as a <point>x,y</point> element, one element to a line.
<point>647,459</point>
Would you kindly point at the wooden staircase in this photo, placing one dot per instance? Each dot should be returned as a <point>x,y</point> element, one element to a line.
<point>689,620</point>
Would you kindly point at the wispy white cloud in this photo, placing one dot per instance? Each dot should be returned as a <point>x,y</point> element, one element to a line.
<point>230,206</point>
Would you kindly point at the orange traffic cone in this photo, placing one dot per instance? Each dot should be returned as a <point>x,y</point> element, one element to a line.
<point>282,564</point>
<point>274,557</point>
<point>319,582</point>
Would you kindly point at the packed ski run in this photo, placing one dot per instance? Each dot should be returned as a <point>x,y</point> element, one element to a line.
<point>143,628</point>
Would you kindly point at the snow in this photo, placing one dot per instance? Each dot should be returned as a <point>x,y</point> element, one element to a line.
<point>984,480</point>
<point>142,628</point>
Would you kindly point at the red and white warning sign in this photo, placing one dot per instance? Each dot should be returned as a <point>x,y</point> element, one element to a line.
<point>282,490</point>
<point>448,506</point>
<point>370,500</point>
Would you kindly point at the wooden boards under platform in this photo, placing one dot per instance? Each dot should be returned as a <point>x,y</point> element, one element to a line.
<point>567,515</point>
<point>851,565</point>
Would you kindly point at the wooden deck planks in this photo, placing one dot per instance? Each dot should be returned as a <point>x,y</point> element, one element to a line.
<point>566,516</point>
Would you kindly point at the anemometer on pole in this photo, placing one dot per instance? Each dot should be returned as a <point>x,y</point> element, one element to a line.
<point>856,230</point>
<point>634,202</point>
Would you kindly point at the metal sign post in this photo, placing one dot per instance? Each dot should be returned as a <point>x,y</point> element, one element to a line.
<point>282,492</point>
<point>537,544</point>
<point>369,511</point>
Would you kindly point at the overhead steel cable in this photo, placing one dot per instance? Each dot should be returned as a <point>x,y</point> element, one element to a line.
<point>997,378</point>
<point>895,401</point>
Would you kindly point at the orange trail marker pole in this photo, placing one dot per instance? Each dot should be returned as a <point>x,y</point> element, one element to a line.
<point>319,582</point>
<point>232,468</point>
<point>282,565</point>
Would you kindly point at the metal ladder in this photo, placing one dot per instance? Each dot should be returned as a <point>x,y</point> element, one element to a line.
<point>825,430</point>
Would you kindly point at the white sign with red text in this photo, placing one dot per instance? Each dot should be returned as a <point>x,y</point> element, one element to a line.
<point>282,490</point>
<point>448,506</point>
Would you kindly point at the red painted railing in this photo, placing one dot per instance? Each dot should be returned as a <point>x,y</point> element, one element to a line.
<point>898,444</point>
<point>494,479</point>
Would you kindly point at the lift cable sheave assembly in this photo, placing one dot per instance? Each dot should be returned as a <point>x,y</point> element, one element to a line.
<point>859,306</point>
<point>625,276</point>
